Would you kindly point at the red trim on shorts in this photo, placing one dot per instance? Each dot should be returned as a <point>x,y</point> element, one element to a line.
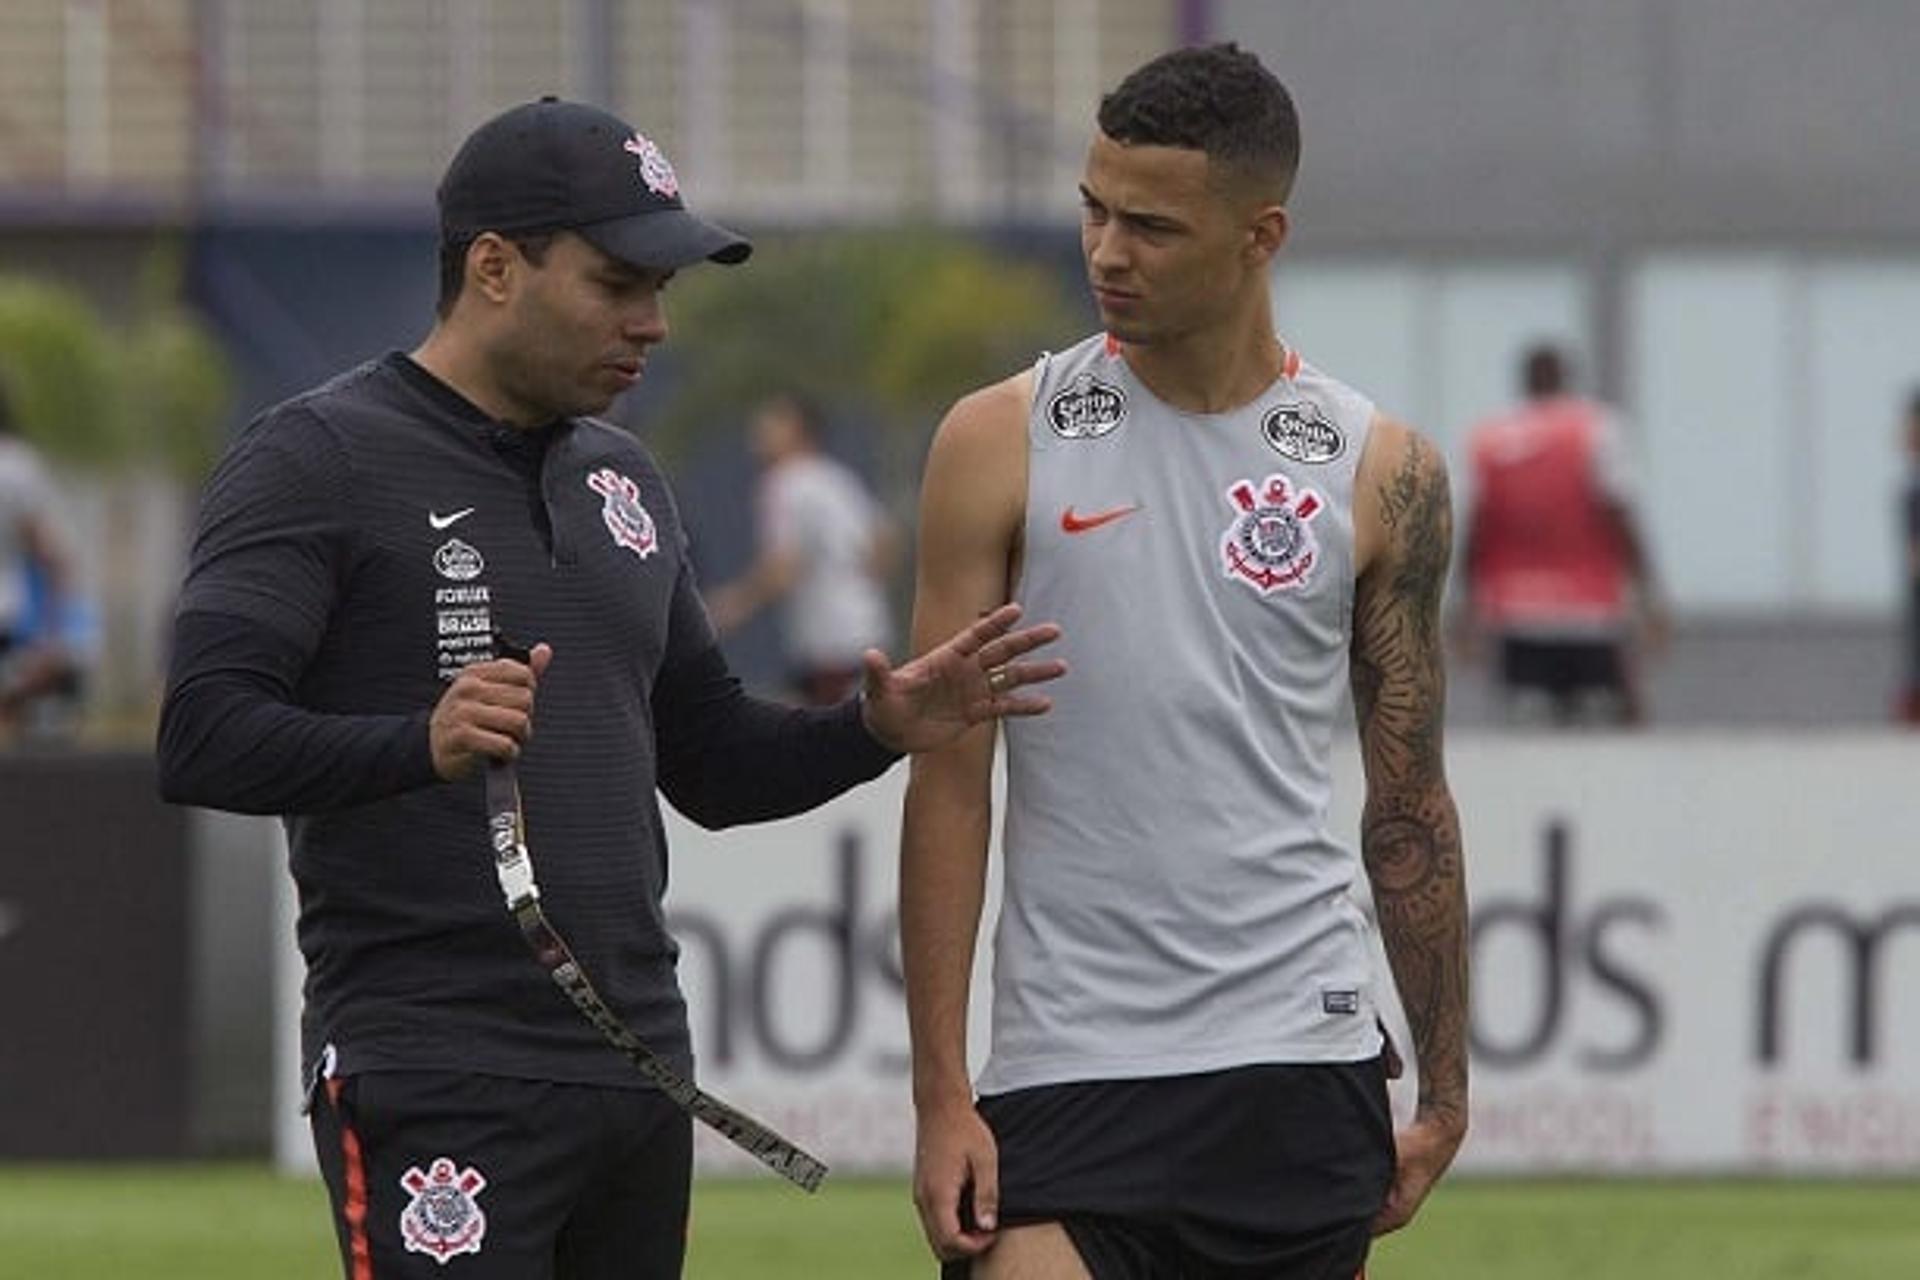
<point>358,1248</point>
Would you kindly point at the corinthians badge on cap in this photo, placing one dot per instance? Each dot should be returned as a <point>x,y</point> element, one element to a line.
<point>655,170</point>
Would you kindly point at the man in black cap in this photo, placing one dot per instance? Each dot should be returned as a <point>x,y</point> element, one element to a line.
<point>340,658</point>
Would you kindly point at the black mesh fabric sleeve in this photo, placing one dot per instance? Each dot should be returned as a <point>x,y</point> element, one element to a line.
<point>276,538</point>
<point>726,757</point>
<point>232,738</point>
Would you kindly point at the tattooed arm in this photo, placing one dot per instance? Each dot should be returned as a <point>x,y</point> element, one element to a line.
<point>1410,834</point>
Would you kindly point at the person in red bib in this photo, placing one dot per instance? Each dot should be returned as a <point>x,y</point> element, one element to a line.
<point>1558,576</point>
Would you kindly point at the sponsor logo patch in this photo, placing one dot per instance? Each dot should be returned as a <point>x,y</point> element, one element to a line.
<point>443,1220</point>
<point>1087,409</point>
<point>1340,1002</point>
<point>1299,431</point>
<point>1269,545</point>
<point>458,561</point>
<point>654,169</point>
<point>626,519</point>
<point>463,627</point>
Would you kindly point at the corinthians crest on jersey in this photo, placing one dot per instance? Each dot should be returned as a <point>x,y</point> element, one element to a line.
<point>1270,545</point>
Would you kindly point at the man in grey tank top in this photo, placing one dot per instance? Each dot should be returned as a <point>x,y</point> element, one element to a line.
<point>1187,1076</point>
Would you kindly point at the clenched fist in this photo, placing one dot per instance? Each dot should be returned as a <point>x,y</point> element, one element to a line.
<point>486,713</point>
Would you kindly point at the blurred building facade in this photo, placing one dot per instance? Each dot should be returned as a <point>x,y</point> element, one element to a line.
<point>1710,199</point>
<point>778,110</point>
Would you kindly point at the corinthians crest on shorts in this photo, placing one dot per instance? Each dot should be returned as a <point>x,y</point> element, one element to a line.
<point>626,519</point>
<point>443,1220</point>
<point>1269,546</point>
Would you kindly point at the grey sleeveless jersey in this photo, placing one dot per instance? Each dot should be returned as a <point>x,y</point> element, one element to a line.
<point>1173,900</point>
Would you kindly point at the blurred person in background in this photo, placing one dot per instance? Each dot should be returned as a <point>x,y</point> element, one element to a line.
<point>1186,1076</point>
<point>41,643</point>
<point>340,658</point>
<point>826,549</point>
<point>43,682</point>
<point>1910,513</point>
<point>1558,578</point>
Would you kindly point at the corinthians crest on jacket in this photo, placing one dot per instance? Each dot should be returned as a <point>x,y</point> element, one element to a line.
<point>626,519</point>
<point>1270,546</point>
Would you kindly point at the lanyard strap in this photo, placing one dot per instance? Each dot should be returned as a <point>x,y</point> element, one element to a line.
<point>506,821</point>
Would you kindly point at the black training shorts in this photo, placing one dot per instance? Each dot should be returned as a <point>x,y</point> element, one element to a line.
<point>1563,668</point>
<point>445,1175</point>
<point>1270,1171</point>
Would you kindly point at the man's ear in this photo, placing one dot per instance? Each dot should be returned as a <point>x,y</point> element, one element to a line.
<point>491,263</point>
<point>1267,232</point>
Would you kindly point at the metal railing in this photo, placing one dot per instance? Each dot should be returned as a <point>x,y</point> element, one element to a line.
<point>789,110</point>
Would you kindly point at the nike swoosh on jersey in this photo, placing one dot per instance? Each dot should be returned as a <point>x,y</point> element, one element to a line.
<point>448,521</point>
<point>1072,522</point>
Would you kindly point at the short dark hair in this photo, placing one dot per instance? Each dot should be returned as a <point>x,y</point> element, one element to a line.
<point>803,408</point>
<point>1543,371</point>
<point>533,246</point>
<point>1215,98</point>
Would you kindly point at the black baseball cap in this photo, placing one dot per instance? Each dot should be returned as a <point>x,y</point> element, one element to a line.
<point>553,165</point>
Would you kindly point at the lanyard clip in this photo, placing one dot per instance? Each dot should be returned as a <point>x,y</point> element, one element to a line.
<point>511,862</point>
<point>516,879</point>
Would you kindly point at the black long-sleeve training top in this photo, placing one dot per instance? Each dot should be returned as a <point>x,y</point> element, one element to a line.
<point>357,547</point>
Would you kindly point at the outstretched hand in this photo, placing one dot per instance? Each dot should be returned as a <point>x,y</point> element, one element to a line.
<point>974,677</point>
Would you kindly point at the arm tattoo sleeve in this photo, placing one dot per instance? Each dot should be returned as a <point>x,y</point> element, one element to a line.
<point>1410,833</point>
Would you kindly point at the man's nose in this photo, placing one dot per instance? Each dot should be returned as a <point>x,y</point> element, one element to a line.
<point>1106,250</point>
<point>647,321</point>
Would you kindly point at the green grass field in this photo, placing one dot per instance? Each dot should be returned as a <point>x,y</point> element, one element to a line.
<point>226,1222</point>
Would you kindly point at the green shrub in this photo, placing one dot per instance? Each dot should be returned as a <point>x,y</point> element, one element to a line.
<point>153,394</point>
<point>895,324</point>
